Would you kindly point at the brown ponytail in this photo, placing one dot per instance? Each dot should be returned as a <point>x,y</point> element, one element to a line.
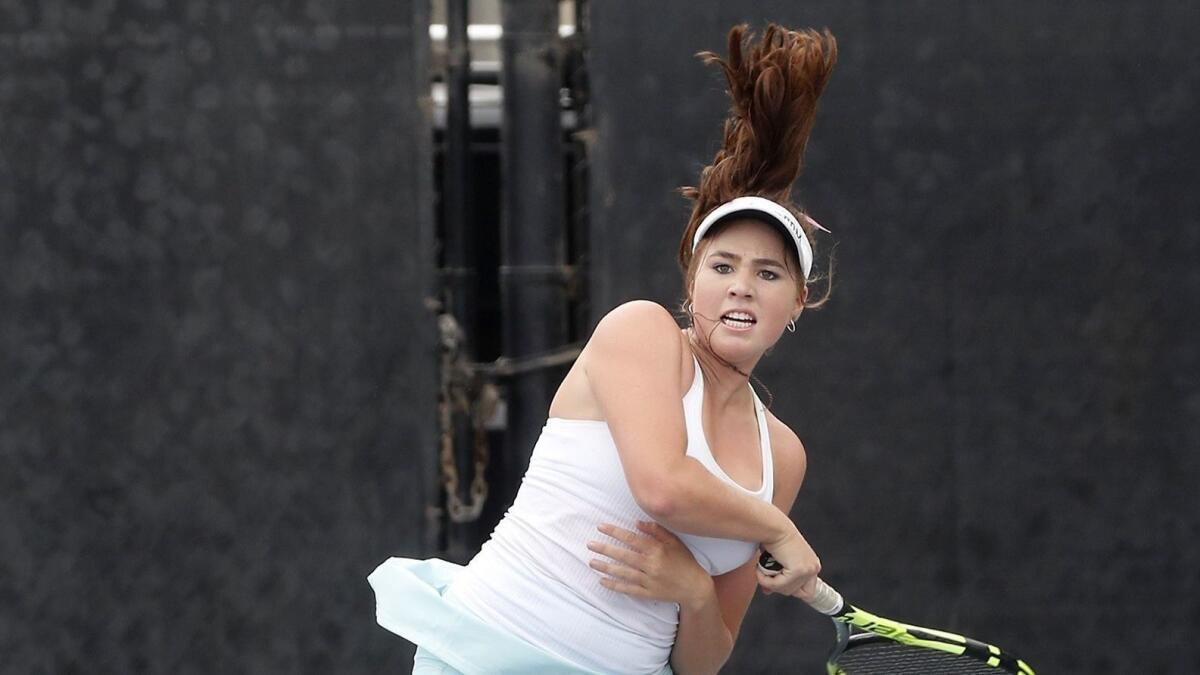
<point>774,85</point>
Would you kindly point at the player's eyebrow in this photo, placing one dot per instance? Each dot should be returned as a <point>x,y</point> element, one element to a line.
<point>757,261</point>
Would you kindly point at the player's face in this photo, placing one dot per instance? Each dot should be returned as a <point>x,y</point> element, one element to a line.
<point>744,294</point>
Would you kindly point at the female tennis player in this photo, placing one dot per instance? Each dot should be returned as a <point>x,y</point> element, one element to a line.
<point>632,544</point>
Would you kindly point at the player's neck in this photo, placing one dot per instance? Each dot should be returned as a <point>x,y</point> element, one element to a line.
<point>725,386</point>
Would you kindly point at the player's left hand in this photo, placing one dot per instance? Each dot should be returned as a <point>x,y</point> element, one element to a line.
<point>650,563</point>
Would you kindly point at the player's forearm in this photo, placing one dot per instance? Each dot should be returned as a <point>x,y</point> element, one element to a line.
<point>703,642</point>
<point>688,498</point>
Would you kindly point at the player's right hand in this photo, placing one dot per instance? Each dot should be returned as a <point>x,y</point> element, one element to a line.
<point>800,566</point>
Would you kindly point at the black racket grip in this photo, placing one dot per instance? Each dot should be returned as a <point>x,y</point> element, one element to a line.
<point>825,599</point>
<point>769,565</point>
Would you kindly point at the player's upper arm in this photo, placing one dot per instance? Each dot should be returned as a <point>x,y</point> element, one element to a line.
<point>735,590</point>
<point>791,463</point>
<point>633,368</point>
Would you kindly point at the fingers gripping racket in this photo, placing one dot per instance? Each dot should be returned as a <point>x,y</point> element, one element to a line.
<point>867,643</point>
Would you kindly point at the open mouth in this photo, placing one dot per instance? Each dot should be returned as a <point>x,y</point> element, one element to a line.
<point>739,320</point>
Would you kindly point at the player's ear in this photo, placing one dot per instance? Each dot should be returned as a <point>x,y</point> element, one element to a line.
<point>801,298</point>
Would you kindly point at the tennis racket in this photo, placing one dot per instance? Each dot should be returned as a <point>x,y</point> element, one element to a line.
<point>867,643</point>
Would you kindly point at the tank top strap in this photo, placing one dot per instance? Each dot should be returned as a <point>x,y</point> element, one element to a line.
<point>698,448</point>
<point>764,436</point>
<point>697,388</point>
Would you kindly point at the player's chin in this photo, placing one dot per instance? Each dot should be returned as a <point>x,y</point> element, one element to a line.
<point>740,348</point>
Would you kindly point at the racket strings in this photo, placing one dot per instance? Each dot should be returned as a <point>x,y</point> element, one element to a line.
<point>892,658</point>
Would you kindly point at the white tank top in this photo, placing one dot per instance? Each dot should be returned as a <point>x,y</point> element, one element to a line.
<point>532,578</point>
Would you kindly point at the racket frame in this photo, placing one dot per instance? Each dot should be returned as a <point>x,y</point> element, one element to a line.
<point>918,636</point>
<point>830,602</point>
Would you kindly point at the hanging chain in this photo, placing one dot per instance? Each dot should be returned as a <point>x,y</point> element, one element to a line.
<point>467,389</point>
<point>457,383</point>
<point>484,408</point>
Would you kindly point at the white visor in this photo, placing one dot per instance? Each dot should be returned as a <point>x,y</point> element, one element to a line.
<point>757,207</point>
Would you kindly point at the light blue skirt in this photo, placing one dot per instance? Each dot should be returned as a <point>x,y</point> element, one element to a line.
<point>409,602</point>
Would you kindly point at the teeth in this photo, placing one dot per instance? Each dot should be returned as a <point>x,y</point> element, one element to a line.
<point>739,316</point>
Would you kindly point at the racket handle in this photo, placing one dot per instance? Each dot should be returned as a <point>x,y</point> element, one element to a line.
<point>826,600</point>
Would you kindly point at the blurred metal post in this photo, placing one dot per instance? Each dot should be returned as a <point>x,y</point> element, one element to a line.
<point>533,227</point>
<point>459,271</point>
<point>459,275</point>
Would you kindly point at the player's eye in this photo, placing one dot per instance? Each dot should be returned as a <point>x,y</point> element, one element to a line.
<point>768,275</point>
<point>722,268</point>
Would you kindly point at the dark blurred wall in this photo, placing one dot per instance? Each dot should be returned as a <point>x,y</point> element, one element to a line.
<point>999,403</point>
<point>216,241</point>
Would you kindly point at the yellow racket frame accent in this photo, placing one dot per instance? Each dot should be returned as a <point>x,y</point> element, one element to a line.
<point>917,636</point>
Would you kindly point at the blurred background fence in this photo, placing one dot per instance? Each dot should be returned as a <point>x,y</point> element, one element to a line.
<point>232,237</point>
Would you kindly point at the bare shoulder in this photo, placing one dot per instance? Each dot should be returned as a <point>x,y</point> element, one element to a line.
<point>637,326</point>
<point>633,368</point>
<point>637,317</point>
<point>791,461</point>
